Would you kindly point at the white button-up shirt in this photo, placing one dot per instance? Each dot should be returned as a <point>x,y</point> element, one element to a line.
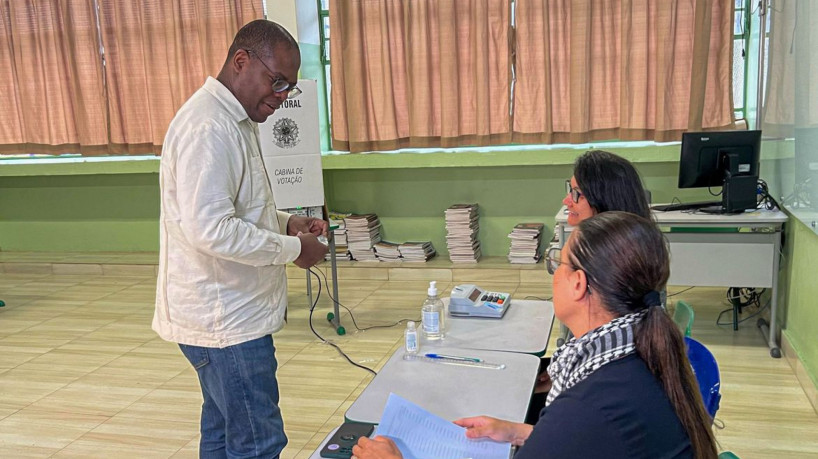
<point>222,278</point>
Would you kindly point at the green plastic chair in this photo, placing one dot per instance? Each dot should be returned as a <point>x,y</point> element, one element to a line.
<point>683,316</point>
<point>728,455</point>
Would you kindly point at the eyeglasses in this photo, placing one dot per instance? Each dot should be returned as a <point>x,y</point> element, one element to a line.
<point>552,259</point>
<point>552,262</point>
<point>574,192</point>
<point>279,84</point>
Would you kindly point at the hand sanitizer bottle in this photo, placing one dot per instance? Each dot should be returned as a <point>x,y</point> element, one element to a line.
<point>411,338</point>
<point>433,315</point>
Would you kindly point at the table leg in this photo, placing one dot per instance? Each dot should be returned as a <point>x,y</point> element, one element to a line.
<point>769,330</point>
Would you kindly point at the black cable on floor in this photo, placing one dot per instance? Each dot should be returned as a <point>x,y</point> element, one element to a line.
<point>312,309</point>
<point>352,316</point>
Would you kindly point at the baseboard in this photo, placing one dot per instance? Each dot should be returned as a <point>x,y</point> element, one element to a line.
<point>487,270</point>
<point>810,388</point>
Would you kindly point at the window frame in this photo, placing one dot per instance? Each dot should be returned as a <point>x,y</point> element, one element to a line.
<point>740,111</point>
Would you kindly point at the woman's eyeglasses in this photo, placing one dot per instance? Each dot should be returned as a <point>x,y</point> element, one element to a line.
<point>574,192</point>
<point>552,262</point>
<point>552,259</point>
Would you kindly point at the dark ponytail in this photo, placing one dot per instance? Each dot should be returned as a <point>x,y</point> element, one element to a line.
<point>661,345</point>
<point>626,260</point>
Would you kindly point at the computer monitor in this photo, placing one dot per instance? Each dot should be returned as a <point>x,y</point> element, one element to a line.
<point>727,159</point>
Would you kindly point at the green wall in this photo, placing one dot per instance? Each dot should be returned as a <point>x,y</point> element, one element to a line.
<point>411,202</point>
<point>801,314</point>
<point>79,213</point>
<point>94,208</point>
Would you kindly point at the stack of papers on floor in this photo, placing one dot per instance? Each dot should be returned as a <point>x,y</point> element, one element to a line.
<point>525,243</point>
<point>387,251</point>
<point>417,251</point>
<point>363,232</point>
<point>461,233</point>
<point>421,434</point>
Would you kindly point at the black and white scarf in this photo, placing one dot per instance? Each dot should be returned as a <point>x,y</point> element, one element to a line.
<point>579,357</point>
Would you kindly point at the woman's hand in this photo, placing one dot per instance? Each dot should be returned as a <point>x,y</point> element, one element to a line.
<point>376,448</point>
<point>543,383</point>
<point>498,430</point>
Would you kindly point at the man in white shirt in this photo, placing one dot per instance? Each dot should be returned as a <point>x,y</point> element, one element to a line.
<point>222,287</point>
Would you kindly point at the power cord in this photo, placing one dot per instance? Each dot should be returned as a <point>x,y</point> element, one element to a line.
<point>312,309</point>
<point>766,200</point>
<point>680,292</point>
<point>352,316</point>
<point>742,297</point>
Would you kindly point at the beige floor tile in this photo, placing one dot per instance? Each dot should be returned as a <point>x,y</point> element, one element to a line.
<point>483,276</point>
<point>420,274</point>
<point>26,451</point>
<point>158,435</point>
<point>189,451</point>
<point>33,427</point>
<point>77,269</point>
<point>27,268</point>
<point>81,346</point>
<point>12,359</point>
<point>128,270</point>
<point>537,274</point>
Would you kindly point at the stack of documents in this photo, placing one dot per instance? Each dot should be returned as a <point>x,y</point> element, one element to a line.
<point>417,251</point>
<point>420,434</point>
<point>387,251</point>
<point>363,232</point>
<point>461,233</point>
<point>525,243</point>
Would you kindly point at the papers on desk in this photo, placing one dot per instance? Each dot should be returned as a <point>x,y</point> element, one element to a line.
<point>420,434</point>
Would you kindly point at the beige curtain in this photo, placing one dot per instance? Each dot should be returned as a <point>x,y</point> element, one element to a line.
<point>420,73</point>
<point>158,53</point>
<point>792,80</point>
<point>622,69</point>
<point>50,78</point>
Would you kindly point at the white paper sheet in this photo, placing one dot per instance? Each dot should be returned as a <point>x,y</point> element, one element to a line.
<point>421,435</point>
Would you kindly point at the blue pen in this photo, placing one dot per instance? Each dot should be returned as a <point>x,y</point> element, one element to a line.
<point>453,357</point>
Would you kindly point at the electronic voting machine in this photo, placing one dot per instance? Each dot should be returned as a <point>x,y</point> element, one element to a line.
<point>469,300</point>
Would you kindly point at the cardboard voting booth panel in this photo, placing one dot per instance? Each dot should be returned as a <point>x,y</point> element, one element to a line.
<point>291,149</point>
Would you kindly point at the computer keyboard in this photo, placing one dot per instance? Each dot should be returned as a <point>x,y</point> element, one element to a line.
<point>685,206</point>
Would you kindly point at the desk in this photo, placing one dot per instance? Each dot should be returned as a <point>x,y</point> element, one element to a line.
<point>452,391</point>
<point>713,259</point>
<point>525,328</point>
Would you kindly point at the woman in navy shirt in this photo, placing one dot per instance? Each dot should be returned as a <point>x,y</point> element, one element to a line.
<point>623,387</point>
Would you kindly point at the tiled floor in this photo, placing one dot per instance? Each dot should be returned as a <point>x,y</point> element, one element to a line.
<point>82,375</point>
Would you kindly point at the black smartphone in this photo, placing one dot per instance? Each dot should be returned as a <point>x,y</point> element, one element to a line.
<point>339,446</point>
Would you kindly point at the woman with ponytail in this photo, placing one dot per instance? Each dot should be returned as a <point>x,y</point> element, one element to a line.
<point>623,387</point>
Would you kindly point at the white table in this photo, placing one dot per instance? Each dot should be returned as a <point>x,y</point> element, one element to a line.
<point>452,391</point>
<point>715,259</point>
<point>525,328</point>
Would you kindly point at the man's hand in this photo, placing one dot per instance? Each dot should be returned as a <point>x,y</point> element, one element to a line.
<point>377,448</point>
<point>498,430</point>
<point>312,225</point>
<point>312,250</point>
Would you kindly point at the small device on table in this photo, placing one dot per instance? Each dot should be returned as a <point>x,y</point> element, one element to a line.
<point>469,300</point>
<point>339,446</point>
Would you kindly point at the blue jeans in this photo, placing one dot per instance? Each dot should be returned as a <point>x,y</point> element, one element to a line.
<point>240,414</point>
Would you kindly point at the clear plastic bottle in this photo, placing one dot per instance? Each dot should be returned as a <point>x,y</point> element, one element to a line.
<point>434,319</point>
<point>411,341</point>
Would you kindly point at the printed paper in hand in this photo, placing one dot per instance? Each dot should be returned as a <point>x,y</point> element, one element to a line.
<point>420,434</point>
